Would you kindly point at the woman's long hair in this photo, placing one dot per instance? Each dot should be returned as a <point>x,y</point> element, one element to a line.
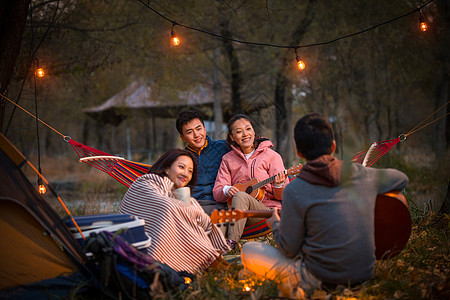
<point>166,161</point>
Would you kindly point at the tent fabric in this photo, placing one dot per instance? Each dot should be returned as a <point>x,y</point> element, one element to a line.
<point>53,288</point>
<point>26,248</point>
<point>35,245</point>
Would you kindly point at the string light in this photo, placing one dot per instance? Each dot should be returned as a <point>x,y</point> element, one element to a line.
<point>41,187</point>
<point>175,40</point>
<point>422,24</point>
<point>146,4</point>
<point>300,63</point>
<point>39,71</point>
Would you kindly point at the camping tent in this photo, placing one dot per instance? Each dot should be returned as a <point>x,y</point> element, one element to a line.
<point>39,258</point>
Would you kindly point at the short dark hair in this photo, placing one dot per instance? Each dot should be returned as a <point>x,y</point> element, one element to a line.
<point>186,116</point>
<point>313,136</point>
<point>168,158</point>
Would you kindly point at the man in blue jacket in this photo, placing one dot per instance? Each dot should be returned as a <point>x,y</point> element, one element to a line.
<point>209,154</point>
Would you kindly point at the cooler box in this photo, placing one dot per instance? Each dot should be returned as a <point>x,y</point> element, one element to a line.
<point>127,226</point>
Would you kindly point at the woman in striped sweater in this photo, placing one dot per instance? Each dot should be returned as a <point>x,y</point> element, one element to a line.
<point>182,234</point>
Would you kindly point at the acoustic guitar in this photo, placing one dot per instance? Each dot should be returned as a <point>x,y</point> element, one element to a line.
<point>392,222</point>
<point>253,187</point>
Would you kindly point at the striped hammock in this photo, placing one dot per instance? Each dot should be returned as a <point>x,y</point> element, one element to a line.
<point>370,155</point>
<point>124,171</point>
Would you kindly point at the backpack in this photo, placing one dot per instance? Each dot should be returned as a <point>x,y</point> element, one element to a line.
<point>127,273</point>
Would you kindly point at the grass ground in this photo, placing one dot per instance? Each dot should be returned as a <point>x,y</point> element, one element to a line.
<point>420,271</point>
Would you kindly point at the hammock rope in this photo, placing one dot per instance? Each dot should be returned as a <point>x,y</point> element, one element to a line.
<point>125,172</point>
<point>372,154</point>
<point>37,119</point>
<point>417,128</point>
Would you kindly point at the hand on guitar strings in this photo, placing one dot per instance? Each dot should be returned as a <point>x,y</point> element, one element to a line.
<point>280,178</point>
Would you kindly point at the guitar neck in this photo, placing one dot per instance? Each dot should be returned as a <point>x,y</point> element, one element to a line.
<point>258,213</point>
<point>226,216</point>
<point>264,182</point>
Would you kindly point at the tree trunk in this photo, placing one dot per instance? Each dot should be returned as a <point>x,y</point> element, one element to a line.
<point>283,84</point>
<point>442,98</point>
<point>445,207</point>
<point>85,132</point>
<point>442,89</point>
<point>13,15</point>
<point>218,117</point>
<point>236,76</point>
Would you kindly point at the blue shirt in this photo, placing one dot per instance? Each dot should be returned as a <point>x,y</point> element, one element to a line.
<point>208,163</point>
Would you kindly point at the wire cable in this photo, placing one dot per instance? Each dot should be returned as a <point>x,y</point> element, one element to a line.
<point>284,46</point>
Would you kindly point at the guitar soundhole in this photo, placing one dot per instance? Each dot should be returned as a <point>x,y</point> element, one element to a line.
<point>249,190</point>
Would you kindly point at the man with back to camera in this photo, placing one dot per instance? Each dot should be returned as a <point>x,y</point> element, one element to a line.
<point>208,153</point>
<point>325,236</point>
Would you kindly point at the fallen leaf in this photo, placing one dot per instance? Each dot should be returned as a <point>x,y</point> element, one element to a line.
<point>398,294</point>
<point>400,263</point>
<point>423,293</point>
<point>318,295</point>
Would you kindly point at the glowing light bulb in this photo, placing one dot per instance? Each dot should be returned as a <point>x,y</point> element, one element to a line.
<point>40,72</point>
<point>423,26</point>
<point>175,40</point>
<point>301,64</point>
<point>42,189</point>
<point>247,288</point>
<point>187,280</point>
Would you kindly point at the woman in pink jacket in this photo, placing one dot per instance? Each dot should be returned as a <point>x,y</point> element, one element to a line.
<point>250,158</point>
